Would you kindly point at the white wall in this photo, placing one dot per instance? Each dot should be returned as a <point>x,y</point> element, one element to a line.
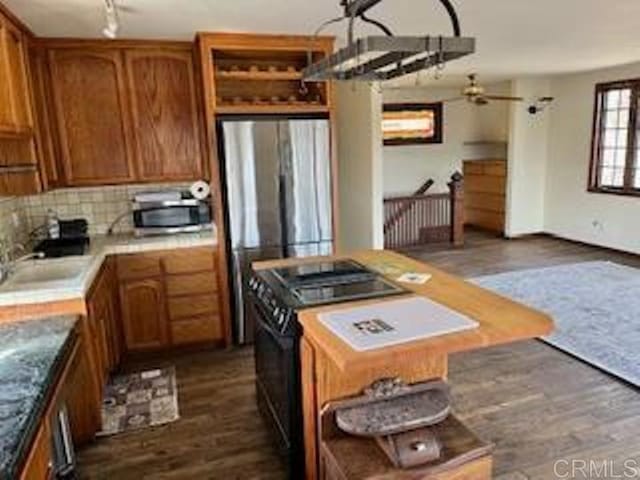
<point>359,142</point>
<point>407,167</point>
<point>571,211</point>
<point>527,160</point>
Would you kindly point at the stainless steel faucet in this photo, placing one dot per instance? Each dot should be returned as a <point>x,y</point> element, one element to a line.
<point>7,264</point>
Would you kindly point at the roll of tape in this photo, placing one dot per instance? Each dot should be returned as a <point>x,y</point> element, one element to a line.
<point>200,190</point>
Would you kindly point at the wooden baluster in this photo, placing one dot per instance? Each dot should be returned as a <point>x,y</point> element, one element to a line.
<point>456,189</point>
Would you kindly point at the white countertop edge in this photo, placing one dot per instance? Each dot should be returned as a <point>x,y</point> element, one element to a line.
<point>101,248</point>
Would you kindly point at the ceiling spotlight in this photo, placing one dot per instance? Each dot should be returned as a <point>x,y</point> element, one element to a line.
<point>111,13</point>
<point>540,105</point>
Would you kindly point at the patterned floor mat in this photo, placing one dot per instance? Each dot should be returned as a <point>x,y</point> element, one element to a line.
<point>140,400</point>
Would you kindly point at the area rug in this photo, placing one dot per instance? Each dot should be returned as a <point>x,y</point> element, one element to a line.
<point>138,400</point>
<point>595,305</point>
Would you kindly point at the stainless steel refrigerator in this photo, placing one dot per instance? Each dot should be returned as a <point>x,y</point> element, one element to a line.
<point>277,193</point>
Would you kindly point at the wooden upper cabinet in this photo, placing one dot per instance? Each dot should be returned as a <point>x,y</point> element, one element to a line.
<point>164,107</point>
<point>6,107</point>
<point>15,105</point>
<point>44,131</point>
<point>90,104</point>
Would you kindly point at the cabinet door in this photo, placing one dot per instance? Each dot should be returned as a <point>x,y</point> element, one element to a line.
<point>39,465</point>
<point>6,108</point>
<point>90,105</point>
<point>20,183</point>
<point>41,81</point>
<point>165,114</point>
<point>144,318</point>
<point>15,108</point>
<point>79,394</point>
<point>102,308</point>
<point>16,58</point>
<point>112,317</point>
<point>98,321</point>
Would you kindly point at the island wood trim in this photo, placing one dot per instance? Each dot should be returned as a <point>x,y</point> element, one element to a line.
<point>310,410</point>
<point>322,383</point>
<point>501,320</point>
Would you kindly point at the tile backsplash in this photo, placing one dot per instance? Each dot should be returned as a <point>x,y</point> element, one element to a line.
<point>100,206</point>
<point>14,227</point>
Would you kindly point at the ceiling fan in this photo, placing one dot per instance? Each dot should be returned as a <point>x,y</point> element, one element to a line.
<point>476,94</point>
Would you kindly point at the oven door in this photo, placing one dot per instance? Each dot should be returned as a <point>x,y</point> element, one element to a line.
<point>277,384</point>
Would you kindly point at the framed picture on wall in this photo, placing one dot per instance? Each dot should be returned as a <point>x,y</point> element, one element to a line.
<point>411,123</point>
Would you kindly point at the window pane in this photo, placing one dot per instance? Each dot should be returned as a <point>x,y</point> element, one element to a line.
<point>612,101</point>
<point>618,177</point>
<point>623,118</point>
<point>610,137</point>
<point>622,138</point>
<point>606,177</point>
<point>625,98</point>
<point>609,157</point>
<point>611,119</point>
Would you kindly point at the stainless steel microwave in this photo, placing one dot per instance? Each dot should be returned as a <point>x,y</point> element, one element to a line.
<point>170,212</point>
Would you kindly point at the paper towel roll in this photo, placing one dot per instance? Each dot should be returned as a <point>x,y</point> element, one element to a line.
<point>200,190</point>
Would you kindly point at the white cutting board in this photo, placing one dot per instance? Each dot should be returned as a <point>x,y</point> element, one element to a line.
<point>393,322</point>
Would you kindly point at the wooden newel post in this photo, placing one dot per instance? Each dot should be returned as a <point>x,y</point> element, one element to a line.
<point>456,189</point>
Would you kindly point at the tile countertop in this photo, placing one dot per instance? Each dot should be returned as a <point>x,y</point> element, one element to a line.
<point>89,265</point>
<point>31,358</point>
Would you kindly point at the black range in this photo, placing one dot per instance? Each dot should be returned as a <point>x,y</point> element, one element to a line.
<point>277,295</point>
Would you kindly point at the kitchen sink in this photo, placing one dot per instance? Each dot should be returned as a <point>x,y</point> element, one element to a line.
<point>48,271</point>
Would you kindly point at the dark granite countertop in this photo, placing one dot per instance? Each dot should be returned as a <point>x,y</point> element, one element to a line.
<point>32,353</point>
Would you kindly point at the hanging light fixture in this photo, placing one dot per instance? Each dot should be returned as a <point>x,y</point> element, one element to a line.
<point>111,13</point>
<point>380,58</point>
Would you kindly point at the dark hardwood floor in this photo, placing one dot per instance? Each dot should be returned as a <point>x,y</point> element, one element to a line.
<point>537,404</point>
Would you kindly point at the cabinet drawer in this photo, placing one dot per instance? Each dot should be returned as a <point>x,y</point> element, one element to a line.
<point>196,330</point>
<point>193,306</point>
<point>189,260</point>
<point>192,284</point>
<point>138,266</point>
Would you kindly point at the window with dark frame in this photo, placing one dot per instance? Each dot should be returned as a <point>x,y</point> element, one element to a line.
<point>615,162</point>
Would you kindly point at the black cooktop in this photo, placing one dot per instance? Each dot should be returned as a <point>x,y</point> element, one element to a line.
<point>330,282</point>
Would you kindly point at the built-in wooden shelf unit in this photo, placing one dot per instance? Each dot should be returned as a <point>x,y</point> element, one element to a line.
<point>263,74</point>
<point>252,75</point>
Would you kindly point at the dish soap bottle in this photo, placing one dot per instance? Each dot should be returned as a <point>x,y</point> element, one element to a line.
<point>53,224</point>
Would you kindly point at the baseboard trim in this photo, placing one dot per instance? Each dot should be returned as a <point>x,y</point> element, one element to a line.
<point>587,244</point>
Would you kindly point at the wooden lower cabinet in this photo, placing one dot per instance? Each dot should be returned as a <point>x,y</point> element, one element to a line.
<point>195,330</point>
<point>102,328</point>
<point>74,389</point>
<point>144,314</point>
<point>79,394</point>
<point>169,298</point>
<point>485,193</point>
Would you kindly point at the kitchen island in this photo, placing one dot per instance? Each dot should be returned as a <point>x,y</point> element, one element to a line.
<point>331,370</point>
